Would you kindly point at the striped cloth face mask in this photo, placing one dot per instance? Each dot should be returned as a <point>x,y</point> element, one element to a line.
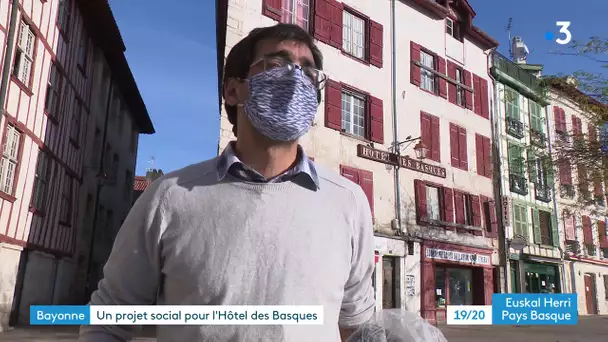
<point>282,103</point>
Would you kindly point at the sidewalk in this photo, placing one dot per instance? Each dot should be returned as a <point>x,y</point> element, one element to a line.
<point>56,334</point>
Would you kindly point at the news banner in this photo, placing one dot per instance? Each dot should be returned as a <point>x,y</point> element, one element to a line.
<point>506,309</point>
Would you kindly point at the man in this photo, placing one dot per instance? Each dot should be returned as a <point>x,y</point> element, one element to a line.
<point>259,225</point>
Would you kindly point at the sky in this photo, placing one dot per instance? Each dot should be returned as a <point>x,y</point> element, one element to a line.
<point>171,51</point>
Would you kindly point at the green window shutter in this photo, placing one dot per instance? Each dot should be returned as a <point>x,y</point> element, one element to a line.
<point>516,219</point>
<point>536,121</point>
<point>536,225</point>
<point>515,159</point>
<point>531,159</point>
<point>549,171</point>
<point>554,232</point>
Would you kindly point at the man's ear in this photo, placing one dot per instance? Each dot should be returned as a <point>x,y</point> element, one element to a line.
<point>236,91</point>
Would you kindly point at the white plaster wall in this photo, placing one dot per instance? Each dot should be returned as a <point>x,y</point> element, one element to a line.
<point>10,256</point>
<point>598,272</point>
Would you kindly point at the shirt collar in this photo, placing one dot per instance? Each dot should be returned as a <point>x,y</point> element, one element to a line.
<point>304,165</point>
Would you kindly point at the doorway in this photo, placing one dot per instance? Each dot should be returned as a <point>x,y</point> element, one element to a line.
<point>590,298</point>
<point>390,282</point>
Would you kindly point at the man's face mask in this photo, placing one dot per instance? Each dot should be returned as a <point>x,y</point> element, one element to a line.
<point>282,101</point>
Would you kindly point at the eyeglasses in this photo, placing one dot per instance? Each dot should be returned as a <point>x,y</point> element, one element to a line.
<point>316,76</point>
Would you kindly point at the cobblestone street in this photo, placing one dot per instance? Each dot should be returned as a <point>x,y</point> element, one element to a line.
<point>589,329</point>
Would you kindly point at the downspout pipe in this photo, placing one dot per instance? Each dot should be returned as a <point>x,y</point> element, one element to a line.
<point>497,174</point>
<point>100,185</point>
<point>556,221</point>
<point>395,116</point>
<point>10,47</point>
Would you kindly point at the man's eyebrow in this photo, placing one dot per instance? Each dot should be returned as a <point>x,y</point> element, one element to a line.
<point>281,53</point>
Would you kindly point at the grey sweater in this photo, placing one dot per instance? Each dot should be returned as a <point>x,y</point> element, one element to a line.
<point>191,239</point>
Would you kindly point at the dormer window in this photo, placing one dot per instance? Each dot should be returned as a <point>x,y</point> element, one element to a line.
<point>451,28</point>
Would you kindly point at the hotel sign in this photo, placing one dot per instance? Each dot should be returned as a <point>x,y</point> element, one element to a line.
<point>401,161</point>
<point>469,258</point>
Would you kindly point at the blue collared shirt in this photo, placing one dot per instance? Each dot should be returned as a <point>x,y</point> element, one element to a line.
<point>303,172</point>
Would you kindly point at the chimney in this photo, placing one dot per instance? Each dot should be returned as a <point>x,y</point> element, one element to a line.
<point>519,50</point>
<point>153,174</point>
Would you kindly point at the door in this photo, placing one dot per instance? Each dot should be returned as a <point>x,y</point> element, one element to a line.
<point>390,282</point>
<point>590,294</point>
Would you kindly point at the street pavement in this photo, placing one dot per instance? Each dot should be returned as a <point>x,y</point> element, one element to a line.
<point>589,329</point>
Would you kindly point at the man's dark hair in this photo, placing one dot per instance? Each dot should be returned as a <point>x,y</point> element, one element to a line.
<point>241,56</point>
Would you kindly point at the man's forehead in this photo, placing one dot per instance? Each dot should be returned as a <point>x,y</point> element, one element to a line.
<point>294,50</point>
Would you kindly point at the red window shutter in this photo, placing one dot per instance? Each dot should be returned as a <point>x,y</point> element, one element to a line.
<point>425,131</point>
<point>414,69</point>
<point>429,295</point>
<point>557,117</point>
<point>587,232</point>
<point>576,126</point>
<point>481,170</point>
<point>333,105</point>
<point>454,151</point>
<point>435,139</point>
<point>601,232</point>
<point>451,86</point>
<point>468,95</point>
<point>443,85</point>
<point>272,9</point>
<point>420,194</point>
<point>597,187</point>
<point>563,120</point>
<point>493,218</point>
<point>477,89</point>
<point>375,43</point>
<point>569,227</point>
<point>335,20</point>
<point>459,206</point>
<point>565,172</point>
<point>376,120</point>
<point>350,173</point>
<point>448,205</point>
<point>485,104</point>
<point>323,11</point>
<point>366,180</point>
<point>487,155</point>
<point>476,208</point>
<point>462,148</point>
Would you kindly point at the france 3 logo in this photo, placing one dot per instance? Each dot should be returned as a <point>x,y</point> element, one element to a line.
<point>563,29</point>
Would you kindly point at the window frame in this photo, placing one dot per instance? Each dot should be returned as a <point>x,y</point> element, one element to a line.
<point>21,54</point>
<point>292,17</point>
<point>39,200</point>
<point>64,17</point>
<point>82,55</point>
<point>350,93</point>
<point>67,199</point>
<point>365,38</point>
<point>76,123</point>
<point>53,88</point>
<point>425,69</point>
<point>15,160</point>
<point>440,204</point>
<point>515,105</point>
<point>460,91</point>
<point>523,224</point>
<point>536,116</point>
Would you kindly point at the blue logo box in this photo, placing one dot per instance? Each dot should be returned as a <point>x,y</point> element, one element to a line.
<point>60,315</point>
<point>534,309</point>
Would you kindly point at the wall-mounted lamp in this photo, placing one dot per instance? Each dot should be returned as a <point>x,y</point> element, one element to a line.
<point>421,150</point>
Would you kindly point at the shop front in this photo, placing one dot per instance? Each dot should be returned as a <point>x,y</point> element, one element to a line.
<point>541,277</point>
<point>454,275</point>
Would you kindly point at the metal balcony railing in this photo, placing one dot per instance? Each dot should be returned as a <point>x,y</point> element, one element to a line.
<point>518,184</point>
<point>515,128</point>
<point>543,193</point>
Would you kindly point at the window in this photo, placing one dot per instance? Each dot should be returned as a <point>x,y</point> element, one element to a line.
<point>432,203</point>
<point>512,104</point>
<point>542,225</point>
<point>583,180</point>
<point>24,56</point>
<point>51,102</point>
<point>451,28</point>
<point>484,155</point>
<point>516,159</point>
<point>559,116</point>
<point>453,286</point>
<point>128,185</point>
<point>64,15</point>
<point>427,78</point>
<point>296,12</point>
<point>76,121</point>
<point>429,134</point>
<point>41,181</point>
<point>520,219</point>
<point>353,113</point>
<point>83,49</point>
<point>353,35</point>
<point>96,148</point>
<point>458,147</point>
<point>460,97</point>
<point>536,117</point>
<point>9,161</point>
<point>66,200</point>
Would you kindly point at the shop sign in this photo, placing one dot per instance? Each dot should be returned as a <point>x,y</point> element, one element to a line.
<point>471,258</point>
<point>406,162</point>
<point>505,210</point>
